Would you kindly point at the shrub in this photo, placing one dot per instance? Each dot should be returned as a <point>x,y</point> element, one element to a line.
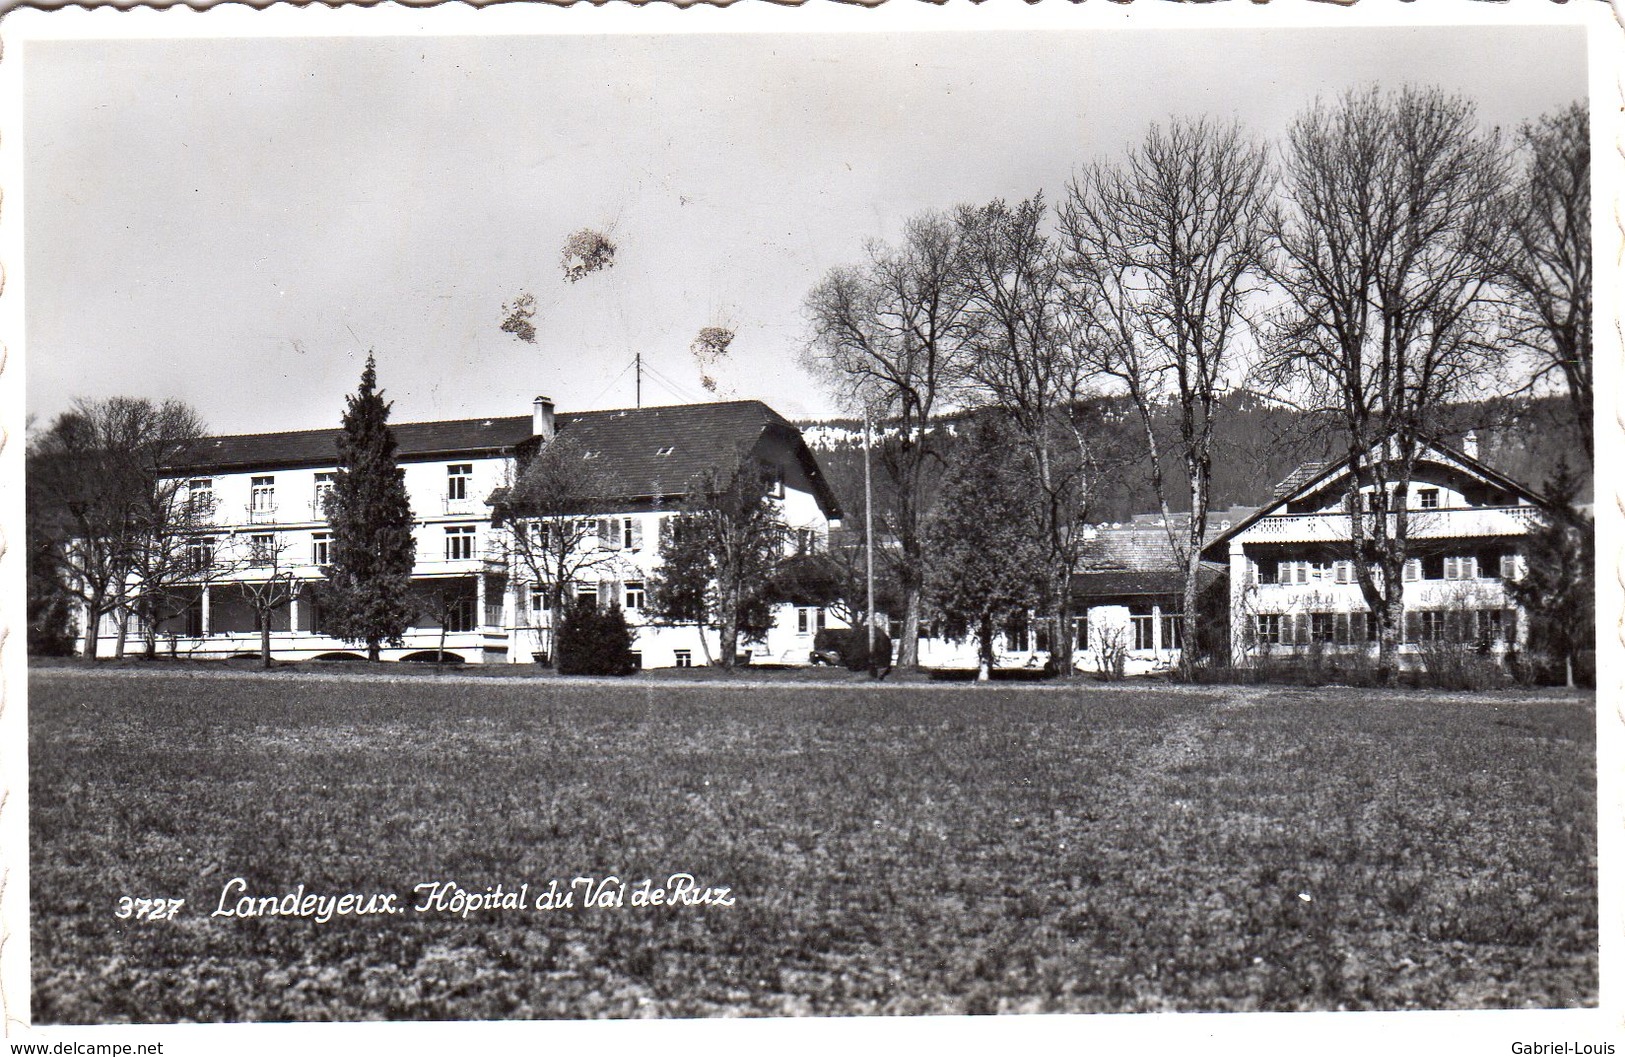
<point>856,656</point>
<point>594,641</point>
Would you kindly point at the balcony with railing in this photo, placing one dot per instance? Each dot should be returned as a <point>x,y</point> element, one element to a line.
<point>1442,523</point>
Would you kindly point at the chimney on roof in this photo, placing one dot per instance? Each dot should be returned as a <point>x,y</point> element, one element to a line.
<point>1469,444</point>
<point>542,424</point>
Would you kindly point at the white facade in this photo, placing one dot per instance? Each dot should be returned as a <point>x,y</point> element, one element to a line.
<point>267,524</point>
<point>1293,587</point>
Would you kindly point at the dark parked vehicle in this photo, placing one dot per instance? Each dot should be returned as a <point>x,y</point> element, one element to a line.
<point>850,647</point>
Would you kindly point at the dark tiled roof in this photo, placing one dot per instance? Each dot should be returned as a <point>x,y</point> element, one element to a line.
<point>701,437</point>
<point>627,443</point>
<point>1102,584</point>
<point>1305,473</point>
<point>319,447</point>
<point>1131,560</point>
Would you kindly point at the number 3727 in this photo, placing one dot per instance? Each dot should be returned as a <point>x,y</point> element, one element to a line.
<point>148,909</point>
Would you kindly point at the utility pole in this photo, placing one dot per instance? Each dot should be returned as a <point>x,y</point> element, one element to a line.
<point>638,370</point>
<point>869,543</point>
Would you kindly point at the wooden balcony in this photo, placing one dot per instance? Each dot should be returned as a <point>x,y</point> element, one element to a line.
<point>1446,523</point>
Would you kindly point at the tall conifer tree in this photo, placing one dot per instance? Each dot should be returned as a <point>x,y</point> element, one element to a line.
<point>368,593</point>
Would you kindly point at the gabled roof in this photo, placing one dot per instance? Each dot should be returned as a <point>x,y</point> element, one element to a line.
<point>1132,561</point>
<point>645,452</point>
<point>1312,477</point>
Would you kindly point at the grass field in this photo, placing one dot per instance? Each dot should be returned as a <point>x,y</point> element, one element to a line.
<point>924,849</point>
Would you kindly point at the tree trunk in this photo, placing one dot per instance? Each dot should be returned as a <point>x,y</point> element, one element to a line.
<point>123,630</point>
<point>265,638</point>
<point>1187,619</point>
<point>984,649</point>
<point>908,651</point>
<point>1568,670</point>
<point>372,650</point>
<point>1389,628</point>
<point>93,627</point>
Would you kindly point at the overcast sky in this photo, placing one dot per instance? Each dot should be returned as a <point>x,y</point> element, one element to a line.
<point>235,223</point>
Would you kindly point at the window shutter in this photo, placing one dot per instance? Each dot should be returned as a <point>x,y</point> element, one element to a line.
<point>1413,569</point>
<point>1509,566</point>
<point>637,532</point>
<point>606,533</point>
<point>1411,627</point>
<point>1344,572</point>
<point>608,591</point>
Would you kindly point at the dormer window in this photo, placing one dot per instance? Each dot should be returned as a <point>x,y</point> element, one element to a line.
<point>1427,498</point>
<point>666,450</point>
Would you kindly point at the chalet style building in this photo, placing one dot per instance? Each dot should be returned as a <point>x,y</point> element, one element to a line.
<point>1292,580</point>
<point>266,495</point>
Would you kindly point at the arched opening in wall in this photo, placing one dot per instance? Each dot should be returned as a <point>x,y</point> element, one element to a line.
<point>338,655</point>
<point>434,657</point>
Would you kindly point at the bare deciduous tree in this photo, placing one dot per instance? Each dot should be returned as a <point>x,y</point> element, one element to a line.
<point>554,541</point>
<point>889,336</point>
<point>1163,254</point>
<point>1550,272</point>
<point>1023,360</point>
<point>100,476</point>
<point>1391,233</point>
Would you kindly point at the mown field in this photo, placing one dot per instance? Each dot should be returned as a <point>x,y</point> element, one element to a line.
<point>922,849</point>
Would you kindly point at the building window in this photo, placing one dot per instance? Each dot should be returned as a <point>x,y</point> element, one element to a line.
<point>634,595</point>
<point>1509,566</point>
<point>587,594</point>
<point>200,497</point>
<point>324,489</point>
<point>1015,633</point>
<point>1268,572</point>
<point>684,658</point>
<point>637,659</point>
<point>458,475</point>
<point>261,549</point>
<point>1145,630</point>
<point>321,548</point>
<point>806,541</point>
<point>1427,498</point>
<point>1269,629</point>
<point>1461,568</point>
<point>460,613</point>
<point>1173,631</point>
<point>200,554</point>
<point>1322,627</point>
<point>263,495</point>
<point>459,543</point>
<point>631,534</point>
<point>1080,632</point>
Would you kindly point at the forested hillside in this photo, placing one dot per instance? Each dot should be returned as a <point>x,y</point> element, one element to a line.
<point>1258,442</point>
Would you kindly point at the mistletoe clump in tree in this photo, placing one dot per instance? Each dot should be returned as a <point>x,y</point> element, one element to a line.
<point>368,592</point>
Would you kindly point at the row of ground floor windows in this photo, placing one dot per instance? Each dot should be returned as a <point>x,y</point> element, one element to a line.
<point>1422,625</point>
